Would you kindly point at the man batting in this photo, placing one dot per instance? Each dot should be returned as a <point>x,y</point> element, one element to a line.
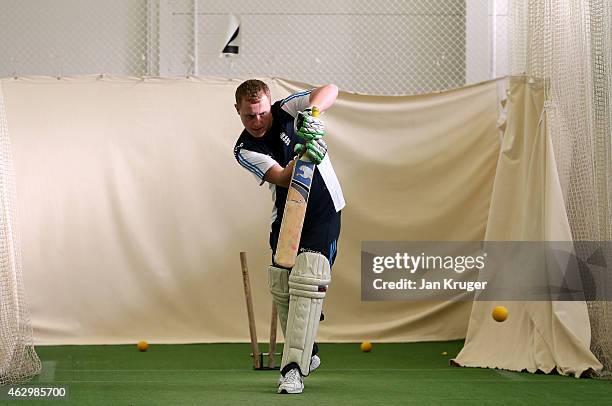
<point>273,135</point>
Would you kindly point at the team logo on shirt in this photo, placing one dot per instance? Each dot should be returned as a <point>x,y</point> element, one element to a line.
<point>285,138</point>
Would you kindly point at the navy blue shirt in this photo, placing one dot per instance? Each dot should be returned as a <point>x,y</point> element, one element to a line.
<point>258,154</point>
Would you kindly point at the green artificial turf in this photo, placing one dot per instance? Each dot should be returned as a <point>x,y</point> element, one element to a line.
<point>222,374</point>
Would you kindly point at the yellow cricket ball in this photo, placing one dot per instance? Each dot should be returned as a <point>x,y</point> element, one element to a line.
<point>366,346</point>
<point>142,345</point>
<point>500,313</point>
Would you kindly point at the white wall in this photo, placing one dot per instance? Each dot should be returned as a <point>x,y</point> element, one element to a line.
<point>68,37</point>
<point>486,40</point>
<point>501,21</point>
<point>382,47</point>
<point>386,47</point>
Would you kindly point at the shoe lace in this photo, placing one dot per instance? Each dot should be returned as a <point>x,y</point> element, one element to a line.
<point>293,375</point>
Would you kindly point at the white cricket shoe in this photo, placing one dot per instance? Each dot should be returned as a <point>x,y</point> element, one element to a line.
<point>315,361</point>
<point>292,382</point>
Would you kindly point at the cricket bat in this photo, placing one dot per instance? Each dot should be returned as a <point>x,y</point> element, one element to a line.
<point>295,210</point>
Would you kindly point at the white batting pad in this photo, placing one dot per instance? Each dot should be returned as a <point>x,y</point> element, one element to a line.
<point>308,283</point>
<point>278,282</point>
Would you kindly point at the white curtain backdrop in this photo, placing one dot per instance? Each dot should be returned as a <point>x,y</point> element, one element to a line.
<point>133,210</point>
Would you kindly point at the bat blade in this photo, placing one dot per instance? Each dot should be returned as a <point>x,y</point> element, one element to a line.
<point>295,211</point>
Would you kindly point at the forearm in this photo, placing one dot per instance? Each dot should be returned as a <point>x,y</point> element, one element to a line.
<point>287,172</point>
<point>324,97</point>
<point>279,175</point>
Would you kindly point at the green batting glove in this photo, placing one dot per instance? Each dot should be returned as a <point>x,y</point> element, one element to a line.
<point>308,127</point>
<point>314,150</point>
<point>299,149</point>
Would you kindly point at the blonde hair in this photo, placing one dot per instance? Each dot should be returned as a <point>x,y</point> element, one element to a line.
<point>251,90</point>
